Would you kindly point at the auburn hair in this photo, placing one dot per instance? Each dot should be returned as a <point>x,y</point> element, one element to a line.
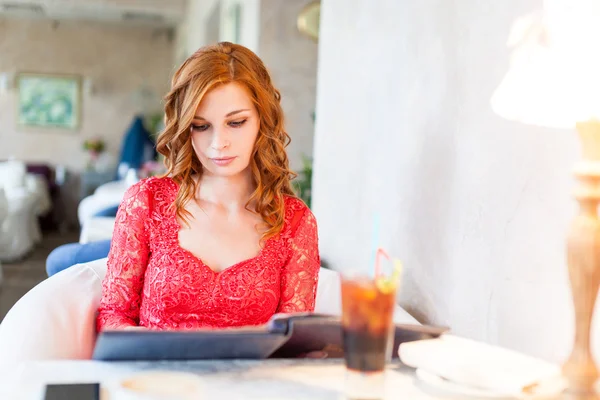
<point>204,70</point>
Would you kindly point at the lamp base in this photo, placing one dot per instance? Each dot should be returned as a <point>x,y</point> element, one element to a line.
<point>578,396</point>
<point>583,254</point>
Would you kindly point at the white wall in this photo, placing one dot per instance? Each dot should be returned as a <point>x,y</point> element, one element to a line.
<point>250,24</point>
<point>292,62</point>
<point>191,33</point>
<point>477,207</point>
<point>207,22</point>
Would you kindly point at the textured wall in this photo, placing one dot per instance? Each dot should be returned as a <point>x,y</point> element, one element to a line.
<point>210,21</point>
<point>477,207</point>
<point>250,23</point>
<point>292,61</point>
<point>117,59</point>
<point>202,19</point>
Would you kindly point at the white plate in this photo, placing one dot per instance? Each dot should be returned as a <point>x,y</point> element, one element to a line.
<point>444,385</point>
<point>546,390</point>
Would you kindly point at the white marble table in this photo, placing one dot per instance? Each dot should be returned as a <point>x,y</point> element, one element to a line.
<point>239,379</point>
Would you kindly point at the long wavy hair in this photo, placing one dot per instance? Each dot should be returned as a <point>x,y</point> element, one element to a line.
<point>207,68</point>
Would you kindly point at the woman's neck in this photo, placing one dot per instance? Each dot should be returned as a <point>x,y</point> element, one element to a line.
<point>231,193</point>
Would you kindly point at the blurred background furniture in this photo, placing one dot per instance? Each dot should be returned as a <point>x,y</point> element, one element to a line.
<point>46,174</point>
<point>91,180</point>
<point>101,192</point>
<point>27,199</point>
<point>103,202</point>
<point>97,228</point>
<point>3,214</point>
<point>138,146</point>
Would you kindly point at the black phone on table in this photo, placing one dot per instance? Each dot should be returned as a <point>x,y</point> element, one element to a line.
<point>73,391</point>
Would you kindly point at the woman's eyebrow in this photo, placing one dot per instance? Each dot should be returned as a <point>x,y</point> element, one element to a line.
<point>228,114</point>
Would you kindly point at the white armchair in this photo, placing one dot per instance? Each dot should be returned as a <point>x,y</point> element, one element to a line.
<point>3,214</point>
<point>107,195</point>
<point>27,197</point>
<point>94,228</point>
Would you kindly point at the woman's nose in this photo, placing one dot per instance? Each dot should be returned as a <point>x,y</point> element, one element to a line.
<point>220,140</point>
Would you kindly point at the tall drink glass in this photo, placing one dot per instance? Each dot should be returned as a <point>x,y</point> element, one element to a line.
<point>367,329</point>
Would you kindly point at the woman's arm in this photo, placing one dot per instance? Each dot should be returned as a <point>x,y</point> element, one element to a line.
<point>301,273</point>
<point>127,261</point>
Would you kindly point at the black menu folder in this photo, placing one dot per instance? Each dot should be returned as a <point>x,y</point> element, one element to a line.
<point>286,335</point>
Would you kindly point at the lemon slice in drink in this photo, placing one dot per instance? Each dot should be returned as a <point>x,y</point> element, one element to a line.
<point>385,285</point>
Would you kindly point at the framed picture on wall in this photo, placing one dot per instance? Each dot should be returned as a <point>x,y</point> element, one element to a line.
<point>49,101</point>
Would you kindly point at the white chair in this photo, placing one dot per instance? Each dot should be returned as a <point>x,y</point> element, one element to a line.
<point>42,204</point>
<point>94,228</point>
<point>55,320</point>
<point>27,198</point>
<point>3,214</point>
<point>97,228</point>
<point>108,195</point>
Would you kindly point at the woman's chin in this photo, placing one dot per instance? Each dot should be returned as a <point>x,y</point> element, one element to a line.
<point>229,171</point>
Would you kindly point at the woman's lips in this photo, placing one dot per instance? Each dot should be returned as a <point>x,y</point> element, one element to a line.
<point>223,161</point>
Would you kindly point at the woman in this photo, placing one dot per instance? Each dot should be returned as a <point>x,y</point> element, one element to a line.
<point>222,240</point>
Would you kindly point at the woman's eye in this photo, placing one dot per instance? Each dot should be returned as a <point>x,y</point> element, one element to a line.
<point>199,128</point>
<point>237,124</point>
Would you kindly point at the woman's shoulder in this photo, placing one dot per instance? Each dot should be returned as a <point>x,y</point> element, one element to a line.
<point>151,188</point>
<point>295,211</point>
<point>158,183</point>
<point>294,205</point>
<point>154,184</point>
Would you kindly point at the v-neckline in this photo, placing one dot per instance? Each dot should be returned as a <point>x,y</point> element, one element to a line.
<point>197,259</point>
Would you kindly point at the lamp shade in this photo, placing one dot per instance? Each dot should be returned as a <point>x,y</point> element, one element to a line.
<point>553,78</point>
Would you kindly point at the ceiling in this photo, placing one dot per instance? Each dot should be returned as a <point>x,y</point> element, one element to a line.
<point>164,13</point>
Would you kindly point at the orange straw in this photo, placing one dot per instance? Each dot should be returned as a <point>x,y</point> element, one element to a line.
<point>380,252</point>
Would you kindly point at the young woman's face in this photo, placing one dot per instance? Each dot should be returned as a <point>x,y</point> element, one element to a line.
<point>224,130</point>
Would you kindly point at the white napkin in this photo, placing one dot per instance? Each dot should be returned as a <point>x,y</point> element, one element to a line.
<point>478,365</point>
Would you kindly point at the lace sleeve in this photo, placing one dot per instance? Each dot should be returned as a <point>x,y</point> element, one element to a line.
<point>300,276</point>
<point>127,261</point>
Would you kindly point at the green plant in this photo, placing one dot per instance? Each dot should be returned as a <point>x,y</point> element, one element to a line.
<point>303,183</point>
<point>153,123</point>
<point>95,145</point>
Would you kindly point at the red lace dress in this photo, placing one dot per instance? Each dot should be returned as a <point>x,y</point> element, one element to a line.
<point>153,282</point>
